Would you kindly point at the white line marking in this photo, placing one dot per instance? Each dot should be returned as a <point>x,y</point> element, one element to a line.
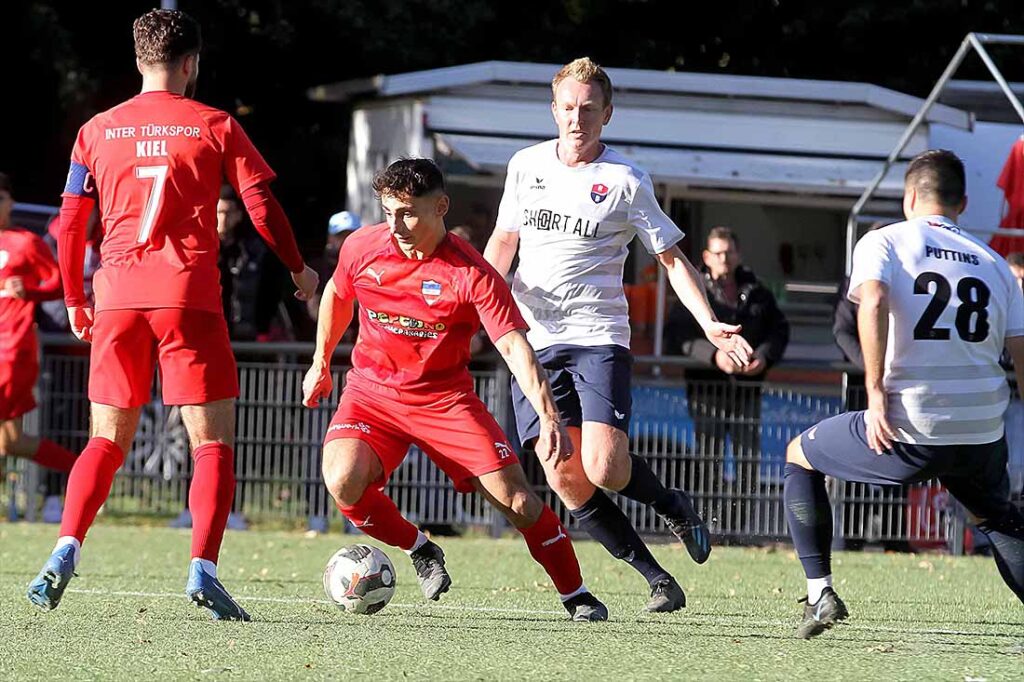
<point>299,600</point>
<point>698,618</point>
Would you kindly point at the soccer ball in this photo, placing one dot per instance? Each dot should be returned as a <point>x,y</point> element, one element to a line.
<point>360,579</point>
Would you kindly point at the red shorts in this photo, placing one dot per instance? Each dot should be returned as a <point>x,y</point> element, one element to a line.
<point>17,379</point>
<point>191,347</point>
<point>457,433</point>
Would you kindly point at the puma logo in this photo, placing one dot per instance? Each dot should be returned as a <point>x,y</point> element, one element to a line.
<point>548,543</point>
<point>365,524</point>
<point>376,275</point>
<point>619,415</point>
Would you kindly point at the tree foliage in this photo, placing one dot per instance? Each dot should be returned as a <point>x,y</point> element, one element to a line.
<point>72,60</point>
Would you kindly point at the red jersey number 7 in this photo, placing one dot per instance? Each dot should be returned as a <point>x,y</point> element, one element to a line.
<point>158,174</point>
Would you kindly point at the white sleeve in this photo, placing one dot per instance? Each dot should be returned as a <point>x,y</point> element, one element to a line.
<point>1015,310</point>
<point>655,229</point>
<point>872,260</point>
<point>508,209</point>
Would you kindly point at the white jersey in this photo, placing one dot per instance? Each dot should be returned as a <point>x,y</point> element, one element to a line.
<point>952,302</point>
<point>575,225</point>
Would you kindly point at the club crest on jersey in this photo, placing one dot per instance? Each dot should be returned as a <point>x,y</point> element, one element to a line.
<point>599,193</point>
<point>431,291</point>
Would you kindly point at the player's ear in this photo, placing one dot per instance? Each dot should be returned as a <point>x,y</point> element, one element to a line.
<point>607,114</point>
<point>138,65</point>
<point>963,205</point>
<point>442,206</point>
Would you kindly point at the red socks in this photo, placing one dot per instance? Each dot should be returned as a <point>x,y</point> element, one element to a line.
<point>551,547</point>
<point>209,498</point>
<point>376,515</point>
<point>53,456</point>
<point>89,485</point>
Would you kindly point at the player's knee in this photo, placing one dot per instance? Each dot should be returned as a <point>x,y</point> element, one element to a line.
<point>525,507</point>
<point>603,472</point>
<point>346,476</point>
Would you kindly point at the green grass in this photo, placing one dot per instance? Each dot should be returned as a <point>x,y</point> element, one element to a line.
<point>913,617</point>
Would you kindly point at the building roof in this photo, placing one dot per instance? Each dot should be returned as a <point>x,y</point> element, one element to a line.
<point>643,81</point>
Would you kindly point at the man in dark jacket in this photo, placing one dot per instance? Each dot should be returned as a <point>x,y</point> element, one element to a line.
<point>725,399</point>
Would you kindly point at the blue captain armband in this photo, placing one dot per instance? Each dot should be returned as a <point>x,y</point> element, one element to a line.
<point>80,182</point>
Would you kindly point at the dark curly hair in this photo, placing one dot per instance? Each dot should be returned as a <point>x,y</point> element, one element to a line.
<point>164,36</point>
<point>409,178</point>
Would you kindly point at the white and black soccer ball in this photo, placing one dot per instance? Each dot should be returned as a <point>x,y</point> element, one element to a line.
<point>360,579</point>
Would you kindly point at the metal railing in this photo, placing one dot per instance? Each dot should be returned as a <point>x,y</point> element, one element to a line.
<point>724,443</point>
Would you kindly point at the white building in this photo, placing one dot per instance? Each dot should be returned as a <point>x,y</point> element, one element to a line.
<point>781,161</point>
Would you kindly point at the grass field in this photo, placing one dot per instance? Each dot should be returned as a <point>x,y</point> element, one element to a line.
<point>125,617</point>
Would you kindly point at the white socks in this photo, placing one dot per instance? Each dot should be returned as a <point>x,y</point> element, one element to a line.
<point>208,566</point>
<point>66,540</point>
<point>421,540</point>
<point>815,586</point>
<point>574,593</point>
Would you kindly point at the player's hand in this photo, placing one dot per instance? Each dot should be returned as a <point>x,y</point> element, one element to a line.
<point>81,320</point>
<point>307,281</point>
<point>14,287</point>
<point>317,384</point>
<point>553,442</point>
<point>756,366</point>
<point>725,363</point>
<point>726,338</point>
<point>879,431</point>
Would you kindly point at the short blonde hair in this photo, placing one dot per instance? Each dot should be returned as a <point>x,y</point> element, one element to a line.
<point>584,70</point>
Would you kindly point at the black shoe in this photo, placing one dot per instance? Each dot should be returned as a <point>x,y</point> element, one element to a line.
<point>690,528</point>
<point>586,608</point>
<point>666,596</point>
<point>819,617</point>
<point>428,561</point>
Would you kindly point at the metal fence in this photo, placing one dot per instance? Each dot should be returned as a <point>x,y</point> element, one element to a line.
<point>724,443</point>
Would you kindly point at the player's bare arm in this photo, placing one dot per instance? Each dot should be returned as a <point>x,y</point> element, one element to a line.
<point>553,441</point>
<point>873,327</point>
<point>334,318</point>
<point>687,284</point>
<point>501,250</point>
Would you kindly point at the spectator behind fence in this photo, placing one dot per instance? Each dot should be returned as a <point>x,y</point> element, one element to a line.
<point>339,227</point>
<point>724,398</point>
<point>252,285</point>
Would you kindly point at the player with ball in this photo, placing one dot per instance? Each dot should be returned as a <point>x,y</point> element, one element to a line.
<point>422,296</point>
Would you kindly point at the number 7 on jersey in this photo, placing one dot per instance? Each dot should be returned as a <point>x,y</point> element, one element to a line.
<point>158,174</point>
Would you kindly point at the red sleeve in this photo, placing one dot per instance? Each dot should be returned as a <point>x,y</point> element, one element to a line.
<point>244,166</point>
<point>1009,172</point>
<point>342,276</point>
<point>270,221</point>
<point>74,218</point>
<point>494,303</point>
<point>47,286</point>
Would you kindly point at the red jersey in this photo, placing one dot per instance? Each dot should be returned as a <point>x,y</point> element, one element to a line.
<point>417,317</point>
<point>157,163</point>
<point>24,255</point>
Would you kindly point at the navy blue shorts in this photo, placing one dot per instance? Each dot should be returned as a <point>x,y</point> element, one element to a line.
<point>975,475</point>
<point>590,383</point>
